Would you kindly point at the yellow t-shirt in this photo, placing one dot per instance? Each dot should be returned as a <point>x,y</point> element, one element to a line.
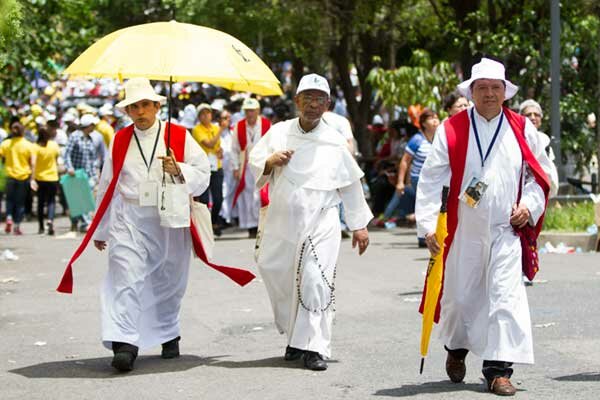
<point>200,133</point>
<point>46,168</point>
<point>106,130</point>
<point>17,153</point>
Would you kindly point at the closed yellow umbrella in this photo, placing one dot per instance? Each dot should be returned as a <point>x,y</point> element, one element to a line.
<point>433,282</point>
<point>179,52</point>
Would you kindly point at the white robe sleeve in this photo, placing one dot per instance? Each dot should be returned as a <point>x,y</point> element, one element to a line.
<point>434,175</point>
<point>533,195</point>
<point>356,210</point>
<point>258,157</point>
<point>102,231</point>
<point>195,168</point>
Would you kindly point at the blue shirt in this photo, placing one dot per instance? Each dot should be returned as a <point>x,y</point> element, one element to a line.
<point>418,147</point>
<point>81,154</point>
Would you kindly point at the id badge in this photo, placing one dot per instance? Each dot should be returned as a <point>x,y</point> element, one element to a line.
<point>474,192</point>
<point>148,193</point>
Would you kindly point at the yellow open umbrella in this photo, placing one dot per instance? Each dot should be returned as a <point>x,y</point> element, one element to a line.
<point>433,281</point>
<point>174,51</point>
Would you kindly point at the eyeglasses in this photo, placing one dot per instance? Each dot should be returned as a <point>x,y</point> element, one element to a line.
<point>533,114</point>
<point>308,99</point>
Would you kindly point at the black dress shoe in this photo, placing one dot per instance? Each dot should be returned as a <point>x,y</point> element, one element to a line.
<point>455,368</point>
<point>125,355</point>
<point>314,361</point>
<point>292,353</point>
<point>170,349</point>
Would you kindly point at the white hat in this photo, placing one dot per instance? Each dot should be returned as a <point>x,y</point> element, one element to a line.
<point>87,120</point>
<point>106,109</point>
<point>40,120</point>
<point>189,116</point>
<point>315,82</point>
<point>202,107</point>
<point>487,69</point>
<point>70,117</point>
<point>250,104</point>
<point>137,89</point>
<point>218,104</point>
<point>377,120</point>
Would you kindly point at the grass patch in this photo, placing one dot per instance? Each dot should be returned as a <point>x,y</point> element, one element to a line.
<point>569,217</point>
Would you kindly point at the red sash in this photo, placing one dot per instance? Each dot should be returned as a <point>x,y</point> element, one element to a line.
<point>120,145</point>
<point>265,125</point>
<point>457,136</point>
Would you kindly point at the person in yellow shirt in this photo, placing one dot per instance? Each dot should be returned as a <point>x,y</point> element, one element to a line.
<point>44,180</point>
<point>208,136</point>
<point>17,153</point>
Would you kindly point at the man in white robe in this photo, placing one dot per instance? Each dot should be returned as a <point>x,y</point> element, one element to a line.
<point>310,172</point>
<point>148,264</point>
<point>484,306</point>
<point>247,200</point>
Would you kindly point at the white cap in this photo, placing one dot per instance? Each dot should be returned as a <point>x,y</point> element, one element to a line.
<point>487,69</point>
<point>202,107</point>
<point>377,120</point>
<point>40,120</point>
<point>106,109</point>
<point>314,82</point>
<point>87,120</point>
<point>137,89</point>
<point>250,104</point>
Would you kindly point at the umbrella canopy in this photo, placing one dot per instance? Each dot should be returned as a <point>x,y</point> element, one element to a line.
<point>179,52</point>
<point>433,281</point>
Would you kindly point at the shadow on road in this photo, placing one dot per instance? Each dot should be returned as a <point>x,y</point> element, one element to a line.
<point>431,388</point>
<point>271,362</point>
<point>582,377</point>
<point>100,368</point>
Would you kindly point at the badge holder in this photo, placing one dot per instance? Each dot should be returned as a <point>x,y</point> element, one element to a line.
<point>472,195</point>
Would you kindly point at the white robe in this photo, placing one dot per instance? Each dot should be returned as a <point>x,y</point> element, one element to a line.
<point>304,196</point>
<point>147,264</point>
<point>229,182</point>
<point>484,305</point>
<point>248,202</point>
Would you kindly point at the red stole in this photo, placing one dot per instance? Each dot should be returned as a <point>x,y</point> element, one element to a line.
<point>120,146</point>
<point>265,125</point>
<point>457,136</point>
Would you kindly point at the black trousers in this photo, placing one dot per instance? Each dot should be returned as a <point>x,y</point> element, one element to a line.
<point>215,190</point>
<point>46,198</point>
<point>491,368</point>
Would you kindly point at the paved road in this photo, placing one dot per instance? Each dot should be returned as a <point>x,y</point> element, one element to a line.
<point>50,349</point>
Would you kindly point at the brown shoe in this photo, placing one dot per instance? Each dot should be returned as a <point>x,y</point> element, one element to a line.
<point>455,368</point>
<point>502,387</point>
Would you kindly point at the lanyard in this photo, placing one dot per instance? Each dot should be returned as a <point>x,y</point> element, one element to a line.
<point>148,165</point>
<point>487,153</point>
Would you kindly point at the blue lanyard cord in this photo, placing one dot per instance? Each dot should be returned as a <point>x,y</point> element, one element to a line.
<point>487,153</point>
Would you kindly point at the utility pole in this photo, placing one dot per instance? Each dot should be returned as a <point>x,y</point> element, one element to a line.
<point>555,86</point>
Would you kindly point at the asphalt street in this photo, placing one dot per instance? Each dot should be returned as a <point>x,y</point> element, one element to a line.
<point>50,343</point>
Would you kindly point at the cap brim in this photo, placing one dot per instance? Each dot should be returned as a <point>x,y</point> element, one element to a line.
<point>464,88</point>
<point>127,101</point>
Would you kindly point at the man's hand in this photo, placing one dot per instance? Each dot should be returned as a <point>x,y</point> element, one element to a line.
<point>170,165</point>
<point>71,172</point>
<point>33,185</point>
<point>520,215</point>
<point>360,237</point>
<point>100,244</point>
<point>236,174</point>
<point>432,243</point>
<point>277,159</point>
<point>400,188</point>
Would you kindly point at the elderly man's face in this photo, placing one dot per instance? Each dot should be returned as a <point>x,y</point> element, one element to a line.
<point>311,104</point>
<point>534,116</point>
<point>488,96</point>
<point>143,113</point>
<point>251,116</point>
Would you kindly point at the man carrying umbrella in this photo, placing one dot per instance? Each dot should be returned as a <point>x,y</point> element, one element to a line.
<point>498,173</point>
<point>148,263</point>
